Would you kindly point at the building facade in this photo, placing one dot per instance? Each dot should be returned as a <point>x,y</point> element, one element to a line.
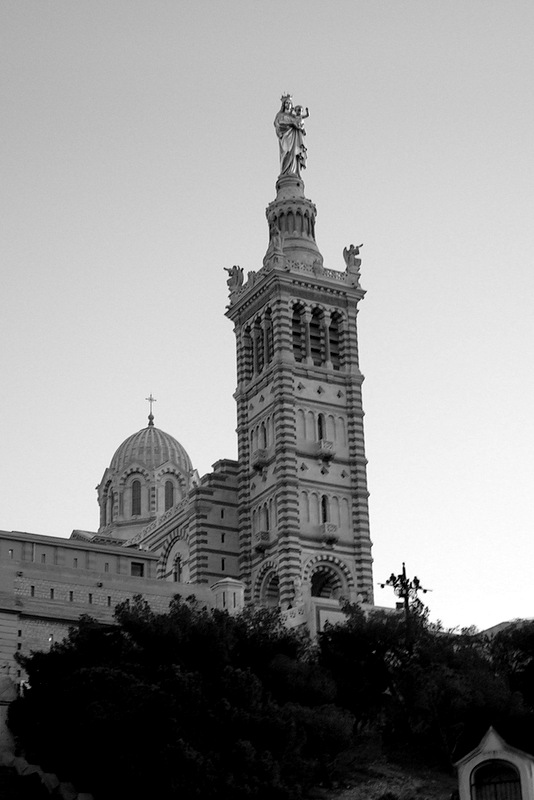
<point>285,525</point>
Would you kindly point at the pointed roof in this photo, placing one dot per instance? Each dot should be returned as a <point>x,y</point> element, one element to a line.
<point>493,743</point>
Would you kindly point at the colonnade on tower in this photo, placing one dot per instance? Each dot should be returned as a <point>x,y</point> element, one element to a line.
<point>302,487</point>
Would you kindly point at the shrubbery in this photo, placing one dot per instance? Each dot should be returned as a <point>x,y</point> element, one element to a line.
<point>195,703</point>
<point>433,693</point>
<point>192,703</point>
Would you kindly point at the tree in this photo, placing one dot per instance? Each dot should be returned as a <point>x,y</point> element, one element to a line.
<point>433,691</point>
<point>192,703</point>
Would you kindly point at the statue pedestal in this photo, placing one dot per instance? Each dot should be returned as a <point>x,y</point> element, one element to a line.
<point>293,215</point>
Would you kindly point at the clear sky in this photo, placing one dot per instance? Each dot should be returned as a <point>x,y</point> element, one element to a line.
<point>138,156</point>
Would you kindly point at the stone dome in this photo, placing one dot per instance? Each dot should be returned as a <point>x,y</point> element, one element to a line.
<point>150,447</point>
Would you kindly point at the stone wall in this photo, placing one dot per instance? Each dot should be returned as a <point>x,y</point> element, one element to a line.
<point>40,600</point>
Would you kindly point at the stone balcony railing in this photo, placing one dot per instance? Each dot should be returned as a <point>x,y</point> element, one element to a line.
<point>288,265</point>
<point>261,540</point>
<point>325,449</point>
<point>292,617</point>
<point>259,458</point>
<point>329,534</point>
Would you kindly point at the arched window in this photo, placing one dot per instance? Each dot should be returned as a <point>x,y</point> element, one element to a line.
<point>169,495</point>
<point>177,565</point>
<point>273,513</point>
<point>334,336</point>
<point>290,222</point>
<point>269,340</point>
<point>314,508</point>
<point>316,337</point>
<point>263,435</point>
<point>344,512</point>
<point>264,518</point>
<point>304,507</point>
<point>248,353</point>
<point>321,427</point>
<point>259,346</point>
<point>108,506</point>
<point>343,431</point>
<point>298,337</point>
<point>311,426</point>
<point>301,424</point>
<point>334,511</point>
<point>136,499</point>
<point>325,514</point>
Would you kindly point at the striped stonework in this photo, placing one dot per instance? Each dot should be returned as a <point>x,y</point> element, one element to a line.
<point>302,482</point>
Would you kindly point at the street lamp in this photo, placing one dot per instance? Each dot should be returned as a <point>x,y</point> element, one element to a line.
<point>407,589</point>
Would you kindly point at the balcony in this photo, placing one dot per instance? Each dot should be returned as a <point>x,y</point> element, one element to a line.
<point>261,541</point>
<point>293,617</point>
<point>324,449</point>
<point>329,534</point>
<point>259,459</point>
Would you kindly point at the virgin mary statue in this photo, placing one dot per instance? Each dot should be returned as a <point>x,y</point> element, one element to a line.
<point>289,127</point>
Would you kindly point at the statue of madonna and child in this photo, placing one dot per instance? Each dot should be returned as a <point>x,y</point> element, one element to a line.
<point>289,127</point>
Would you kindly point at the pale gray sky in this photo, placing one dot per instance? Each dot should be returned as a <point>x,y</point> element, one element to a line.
<point>138,156</point>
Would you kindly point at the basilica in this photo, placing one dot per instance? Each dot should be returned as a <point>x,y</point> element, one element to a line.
<point>287,524</point>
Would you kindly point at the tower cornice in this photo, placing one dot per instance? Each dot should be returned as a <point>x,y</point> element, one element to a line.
<point>292,274</point>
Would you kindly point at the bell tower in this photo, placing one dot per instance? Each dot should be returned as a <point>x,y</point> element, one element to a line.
<point>303,501</point>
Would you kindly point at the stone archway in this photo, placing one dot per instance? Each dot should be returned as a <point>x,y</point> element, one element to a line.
<point>267,589</point>
<point>495,780</point>
<point>328,577</point>
<point>175,560</point>
<point>326,582</point>
<point>270,594</point>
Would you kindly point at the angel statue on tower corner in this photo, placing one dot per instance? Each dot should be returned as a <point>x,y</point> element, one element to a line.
<point>350,254</point>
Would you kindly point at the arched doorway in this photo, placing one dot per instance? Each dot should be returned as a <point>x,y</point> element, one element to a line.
<point>326,583</point>
<point>495,780</point>
<point>178,562</point>
<point>270,591</point>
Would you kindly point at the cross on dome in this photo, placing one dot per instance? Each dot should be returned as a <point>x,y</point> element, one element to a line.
<point>151,400</point>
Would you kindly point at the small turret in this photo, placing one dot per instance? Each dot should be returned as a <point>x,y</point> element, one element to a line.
<point>293,216</point>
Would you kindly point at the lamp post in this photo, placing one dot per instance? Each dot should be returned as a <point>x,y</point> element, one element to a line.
<point>407,590</point>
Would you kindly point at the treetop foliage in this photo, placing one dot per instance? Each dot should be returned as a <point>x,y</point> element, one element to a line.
<point>192,703</point>
<point>196,703</point>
